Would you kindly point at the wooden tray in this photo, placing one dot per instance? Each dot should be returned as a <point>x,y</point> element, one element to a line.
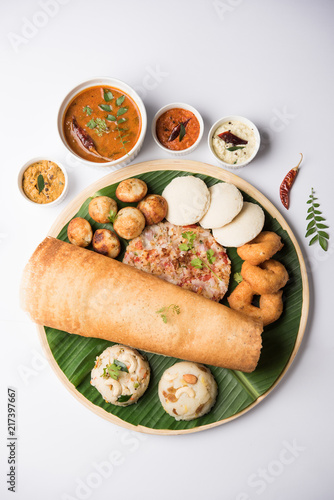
<point>196,168</point>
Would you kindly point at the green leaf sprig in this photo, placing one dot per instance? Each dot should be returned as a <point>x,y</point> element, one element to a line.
<point>116,118</point>
<point>88,110</point>
<point>113,369</point>
<point>198,263</point>
<point>315,226</point>
<point>166,310</point>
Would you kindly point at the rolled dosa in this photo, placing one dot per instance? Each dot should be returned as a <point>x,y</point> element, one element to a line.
<point>82,292</point>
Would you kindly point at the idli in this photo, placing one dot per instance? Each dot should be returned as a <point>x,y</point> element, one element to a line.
<point>226,202</point>
<point>188,200</point>
<point>243,228</point>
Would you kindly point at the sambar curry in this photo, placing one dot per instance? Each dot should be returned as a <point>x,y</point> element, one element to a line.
<point>102,124</point>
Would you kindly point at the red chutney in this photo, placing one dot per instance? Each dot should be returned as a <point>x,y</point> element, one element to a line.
<point>168,129</point>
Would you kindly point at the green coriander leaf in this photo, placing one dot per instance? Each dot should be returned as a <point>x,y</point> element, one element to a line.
<point>101,126</point>
<point>176,309</point>
<point>197,263</point>
<point>107,95</point>
<point>164,318</point>
<point>121,111</point>
<point>210,256</point>
<point>237,277</point>
<point>111,118</point>
<point>120,100</point>
<point>113,371</point>
<point>124,398</point>
<point>87,110</point>
<point>136,385</point>
<point>105,107</point>
<point>184,247</point>
<point>234,148</point>
<point>40,183</point>
<point>92,123</point>
<point>182,132</point>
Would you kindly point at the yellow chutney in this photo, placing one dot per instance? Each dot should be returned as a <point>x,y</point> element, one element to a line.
<point>43,181</point>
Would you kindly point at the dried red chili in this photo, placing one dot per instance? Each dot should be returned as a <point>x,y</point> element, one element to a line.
<point>231,138</point>
<point>85,139</point>
<point>176,130</point>
<point>286,185</point>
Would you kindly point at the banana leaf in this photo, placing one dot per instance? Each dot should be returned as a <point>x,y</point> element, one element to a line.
<point>76,355</point>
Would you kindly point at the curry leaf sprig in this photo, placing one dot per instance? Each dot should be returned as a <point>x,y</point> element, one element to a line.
<point>165,311</point>
<point>316,225</point>
<point>197,262</point>
<point>118,119</point>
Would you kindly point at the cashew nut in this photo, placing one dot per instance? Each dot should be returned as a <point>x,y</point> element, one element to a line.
<point>187,390</point>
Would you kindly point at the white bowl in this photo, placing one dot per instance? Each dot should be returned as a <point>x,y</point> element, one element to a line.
<point>105,81</point>
<point>24,168</point>
<point>230,119</point>
<point>188,108</point>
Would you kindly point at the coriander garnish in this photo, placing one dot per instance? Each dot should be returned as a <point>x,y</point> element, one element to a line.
<point>88,110</point>
<point>112,370</point>
<point>316,225</point>
<point>165,311</point>
<point>237,277</point>
<point>197,262</point>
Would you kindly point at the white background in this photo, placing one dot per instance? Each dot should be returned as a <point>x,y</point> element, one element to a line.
<point>269,61</point>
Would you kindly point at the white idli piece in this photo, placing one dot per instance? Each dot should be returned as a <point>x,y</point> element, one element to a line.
<point>121,375</point>
<point>243,228</point>
<point>188,200</point>
<point>187,390</point>
<point>226,202</point>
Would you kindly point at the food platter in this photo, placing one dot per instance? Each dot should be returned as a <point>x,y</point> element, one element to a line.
<point>72,357</point>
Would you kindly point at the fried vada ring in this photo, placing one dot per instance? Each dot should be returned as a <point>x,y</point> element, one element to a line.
<point>268,277</point>
<point>261,248</point>
<point>270,305</point>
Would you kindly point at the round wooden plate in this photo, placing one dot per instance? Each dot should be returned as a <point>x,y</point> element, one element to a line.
<point>196,168</point>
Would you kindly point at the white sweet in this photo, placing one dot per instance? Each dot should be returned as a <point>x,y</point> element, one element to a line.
<point>226,202</point>
<point>243,228</point>
<point>127,386</point>
<point>188,200</point>
<point>187,390</point>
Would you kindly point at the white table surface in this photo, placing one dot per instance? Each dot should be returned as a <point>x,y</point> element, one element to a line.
<point>270,61</point>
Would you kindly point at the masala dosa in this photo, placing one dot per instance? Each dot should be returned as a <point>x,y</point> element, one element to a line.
<point>82,292</point>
